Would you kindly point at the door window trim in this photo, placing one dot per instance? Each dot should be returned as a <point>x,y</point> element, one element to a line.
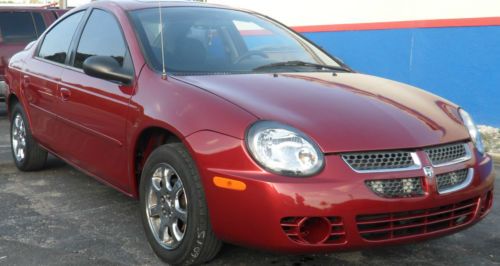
<point>36,54</point>
<point>76,41</point>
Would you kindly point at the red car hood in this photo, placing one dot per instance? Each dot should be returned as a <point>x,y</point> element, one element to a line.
<point>347,112</point>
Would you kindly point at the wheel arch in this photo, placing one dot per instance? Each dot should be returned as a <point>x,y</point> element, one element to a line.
<point>144,144</point>
<point>10,102</point>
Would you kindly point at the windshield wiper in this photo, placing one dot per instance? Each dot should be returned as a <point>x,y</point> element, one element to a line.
<point>301,64</point>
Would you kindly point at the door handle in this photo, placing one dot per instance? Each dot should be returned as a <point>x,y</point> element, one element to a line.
<point>65,94</point>
<point>26,80</point>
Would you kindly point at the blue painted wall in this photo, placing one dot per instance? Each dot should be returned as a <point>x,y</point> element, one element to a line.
<point>461,64</point>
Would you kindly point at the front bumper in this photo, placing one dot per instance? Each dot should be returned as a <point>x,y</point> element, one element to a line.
<point>267,214</point>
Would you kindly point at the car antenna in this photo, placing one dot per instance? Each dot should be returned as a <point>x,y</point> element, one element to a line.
<point>163,72</point>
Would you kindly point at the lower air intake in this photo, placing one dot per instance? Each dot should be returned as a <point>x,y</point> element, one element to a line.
<point>388,226</point>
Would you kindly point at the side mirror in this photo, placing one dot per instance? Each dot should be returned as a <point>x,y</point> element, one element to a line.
<point>106,67</point>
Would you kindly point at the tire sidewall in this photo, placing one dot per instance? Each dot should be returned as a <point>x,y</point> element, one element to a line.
<point>191,245</point>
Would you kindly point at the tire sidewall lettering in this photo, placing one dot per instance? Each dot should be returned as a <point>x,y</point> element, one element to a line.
<point>200,240</point>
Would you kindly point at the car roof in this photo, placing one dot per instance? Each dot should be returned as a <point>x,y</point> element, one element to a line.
<point>141,4</point>
<point>27,8</point>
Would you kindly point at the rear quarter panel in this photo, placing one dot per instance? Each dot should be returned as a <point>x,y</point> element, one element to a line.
<point>13,77</point>
<point>7,50</point>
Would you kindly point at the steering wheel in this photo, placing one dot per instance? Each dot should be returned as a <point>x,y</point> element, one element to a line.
<point>250,54</point>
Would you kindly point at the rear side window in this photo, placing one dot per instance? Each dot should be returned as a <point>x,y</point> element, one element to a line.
<point>102,36</point>
<point>17,26</point>
<point>40,24</point>
<point>55,46</point>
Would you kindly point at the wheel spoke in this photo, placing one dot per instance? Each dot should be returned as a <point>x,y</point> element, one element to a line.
<point>174,237</point>
<point>178,235</point>
<point>156,190</point>
<point>167,176</point>
<point>176,188</point>
<point>155,211</point>
<point>18,153</point>
<point>17,122</point>
<point>180,214</point>
<point>157,182</point>
<point>162,230</point>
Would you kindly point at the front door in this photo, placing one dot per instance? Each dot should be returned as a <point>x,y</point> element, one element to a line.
<point>96,110</point>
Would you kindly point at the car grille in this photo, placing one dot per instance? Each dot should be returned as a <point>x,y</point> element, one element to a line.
<point>387,226</point>
<point>391,161</point>
<point>453,181</point>
<point>293,228</point>
<point>380,161</point>
<point>397,188</point>
<point>447,154</point>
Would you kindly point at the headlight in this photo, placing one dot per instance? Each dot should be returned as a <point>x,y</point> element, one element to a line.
<point>283,150</point>
<point>474,133</point>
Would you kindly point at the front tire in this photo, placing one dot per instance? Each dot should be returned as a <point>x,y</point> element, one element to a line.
<point>173,208</point>
<point>28,155</point>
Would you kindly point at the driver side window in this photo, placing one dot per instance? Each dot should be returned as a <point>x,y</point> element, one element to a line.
<point>102,36</point>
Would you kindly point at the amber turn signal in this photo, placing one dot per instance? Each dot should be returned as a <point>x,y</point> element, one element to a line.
<point>229,183</point>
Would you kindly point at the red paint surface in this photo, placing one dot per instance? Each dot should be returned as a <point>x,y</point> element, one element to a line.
<point>436,23</point>
<point>97,129</point>
<point>252,218</point>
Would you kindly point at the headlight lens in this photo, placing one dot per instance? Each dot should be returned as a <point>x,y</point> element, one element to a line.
<point>474,133</point>
<point>283,150</point>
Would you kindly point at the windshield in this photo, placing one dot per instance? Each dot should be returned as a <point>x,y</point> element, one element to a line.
<point>201,40</point>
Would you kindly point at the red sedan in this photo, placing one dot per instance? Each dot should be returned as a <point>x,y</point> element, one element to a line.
<point>230,127</point>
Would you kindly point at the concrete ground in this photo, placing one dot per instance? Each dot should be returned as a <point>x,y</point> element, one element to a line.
<point>60,216</point>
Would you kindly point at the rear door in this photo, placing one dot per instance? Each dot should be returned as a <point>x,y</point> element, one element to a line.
<point>97,109</point>
<point>40,80</point>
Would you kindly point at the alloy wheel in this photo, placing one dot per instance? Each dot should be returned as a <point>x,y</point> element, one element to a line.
<point>19,138</point>
<point>166,207</point>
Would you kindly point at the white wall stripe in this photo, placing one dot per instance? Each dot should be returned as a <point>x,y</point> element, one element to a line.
<point>327,12</point>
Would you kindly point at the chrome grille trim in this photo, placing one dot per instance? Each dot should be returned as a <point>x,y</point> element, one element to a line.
<point>448,154</point>
<point>459,186</point>
<point>416,163</point>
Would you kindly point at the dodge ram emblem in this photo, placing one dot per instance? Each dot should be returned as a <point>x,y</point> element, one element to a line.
<point>429,172</point>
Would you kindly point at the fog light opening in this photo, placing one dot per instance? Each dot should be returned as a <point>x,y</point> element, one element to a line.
<point>315,230</point>
<point>489,200</point>
<point>487,203</point>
